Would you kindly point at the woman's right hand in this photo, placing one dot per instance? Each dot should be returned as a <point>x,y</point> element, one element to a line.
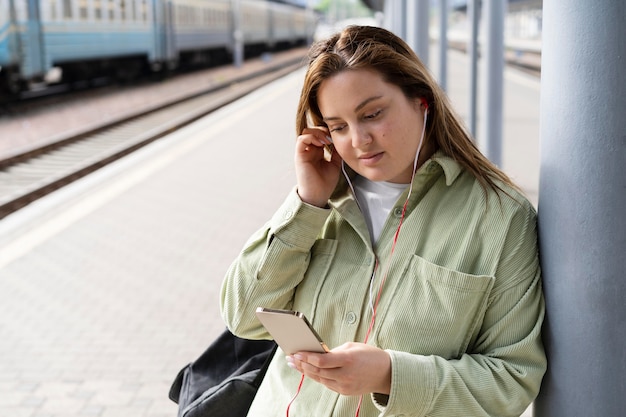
<point>316,177</point>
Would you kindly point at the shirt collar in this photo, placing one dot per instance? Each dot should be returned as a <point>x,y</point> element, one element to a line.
<point>451,168</point>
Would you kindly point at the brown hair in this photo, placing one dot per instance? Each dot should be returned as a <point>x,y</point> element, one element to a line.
<point>368,47</point>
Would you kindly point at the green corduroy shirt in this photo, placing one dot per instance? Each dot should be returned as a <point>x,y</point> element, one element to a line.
<point>461,308</point>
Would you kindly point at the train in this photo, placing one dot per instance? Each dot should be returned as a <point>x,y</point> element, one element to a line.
<point>47,40</point>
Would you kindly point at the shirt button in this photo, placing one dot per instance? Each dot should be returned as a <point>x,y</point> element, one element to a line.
<point>288,214</point>
<point>351,317</point>
<point>397,212</point>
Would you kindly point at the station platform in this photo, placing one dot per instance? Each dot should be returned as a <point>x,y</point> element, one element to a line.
<point>109,286</point>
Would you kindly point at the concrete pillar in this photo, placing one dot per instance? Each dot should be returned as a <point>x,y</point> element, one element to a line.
<point>582,207</point>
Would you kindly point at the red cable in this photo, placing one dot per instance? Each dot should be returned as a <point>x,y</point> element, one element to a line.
<point>380,289</point>
<point>375,307</point>
<point>295,396</point>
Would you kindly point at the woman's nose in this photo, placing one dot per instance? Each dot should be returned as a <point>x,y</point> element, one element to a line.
<point>360,137</point>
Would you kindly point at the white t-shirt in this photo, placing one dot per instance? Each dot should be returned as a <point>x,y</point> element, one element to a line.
<point>376,200</point>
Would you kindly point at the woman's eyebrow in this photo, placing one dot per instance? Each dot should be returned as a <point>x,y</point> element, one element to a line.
<point>356,109</point>
<point>365,102</point>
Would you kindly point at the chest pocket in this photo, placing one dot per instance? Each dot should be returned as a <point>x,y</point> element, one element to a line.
<point>308,291</point>
<point>431,309</point>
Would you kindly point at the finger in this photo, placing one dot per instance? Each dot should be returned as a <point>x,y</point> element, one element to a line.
<point>306,141</point>
<point>317,136</point>
<point>334,379</point>
<point>293,363</point>
<point>317,130</point>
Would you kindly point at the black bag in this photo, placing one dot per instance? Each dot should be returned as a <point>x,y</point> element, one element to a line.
<point>223,381</point>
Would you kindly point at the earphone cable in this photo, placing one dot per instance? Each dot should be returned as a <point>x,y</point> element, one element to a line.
<point>393,247</point>
<point>374,304</point>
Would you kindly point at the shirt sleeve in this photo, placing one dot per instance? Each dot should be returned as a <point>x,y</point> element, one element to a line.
<point>270,266</point>
<point>501,372</point>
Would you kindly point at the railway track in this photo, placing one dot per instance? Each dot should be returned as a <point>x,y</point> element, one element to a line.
<point>29,176</point>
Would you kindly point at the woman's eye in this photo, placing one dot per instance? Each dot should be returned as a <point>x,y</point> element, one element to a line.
<point>336,128</point>
<point>373,115</point>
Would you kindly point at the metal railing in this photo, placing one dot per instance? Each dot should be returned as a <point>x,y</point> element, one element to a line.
<point>410,19</point>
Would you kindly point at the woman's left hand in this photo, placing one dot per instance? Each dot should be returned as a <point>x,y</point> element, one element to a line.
<point>350,369</point>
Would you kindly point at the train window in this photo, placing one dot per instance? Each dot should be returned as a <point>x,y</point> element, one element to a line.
<point>137,12</point>
<point>67,9</point>
<point>132,10</point>
<point>181,18</point>
<point>143,11</point>
<point>129,10</point>
<point>49,10</point>
<point>97,9</point>
<point>20,11</point>
<point>111,9</point>
<point>83,10</point>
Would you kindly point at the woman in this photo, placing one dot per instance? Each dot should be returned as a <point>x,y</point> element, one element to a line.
<point>413,256</point>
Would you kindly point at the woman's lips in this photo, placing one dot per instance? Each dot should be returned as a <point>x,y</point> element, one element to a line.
<point>371,158</point>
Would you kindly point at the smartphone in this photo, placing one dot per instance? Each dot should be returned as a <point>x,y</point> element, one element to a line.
<point>291,330</point>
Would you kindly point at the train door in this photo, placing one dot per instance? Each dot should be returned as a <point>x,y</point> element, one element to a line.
<point>29,42</point>
<point>168,33</point>
<point>273,19</point>
<point>164,32</point>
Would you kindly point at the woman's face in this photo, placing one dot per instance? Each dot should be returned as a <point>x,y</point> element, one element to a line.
<point>375,128</point>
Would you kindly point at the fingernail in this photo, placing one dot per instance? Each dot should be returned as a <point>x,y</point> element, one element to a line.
<point>290,362</point>
<point>329,139</point>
